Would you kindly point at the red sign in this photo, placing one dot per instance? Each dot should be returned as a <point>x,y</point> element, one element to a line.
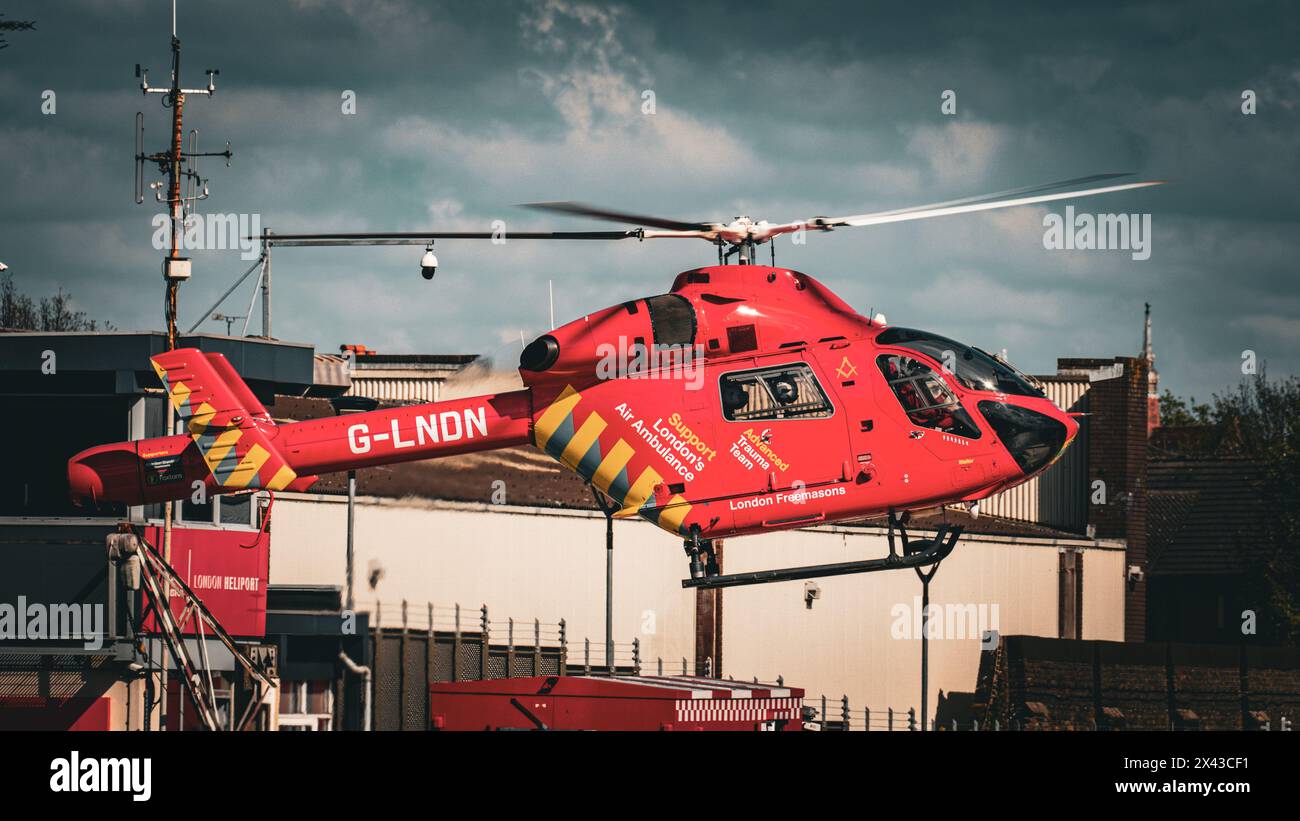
<point>226,569</point>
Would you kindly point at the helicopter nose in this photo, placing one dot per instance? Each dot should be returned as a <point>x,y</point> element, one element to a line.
<point>1033,439</point>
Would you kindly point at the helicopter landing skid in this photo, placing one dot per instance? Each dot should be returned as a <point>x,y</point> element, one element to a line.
<point>916,553</point>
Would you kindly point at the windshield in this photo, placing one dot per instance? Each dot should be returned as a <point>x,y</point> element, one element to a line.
<point>927,401</point>
<point>973,368</point>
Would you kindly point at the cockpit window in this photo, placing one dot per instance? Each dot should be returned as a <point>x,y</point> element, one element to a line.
<point>926,399</point>
<point>973,368</point>
<point>784,392</point>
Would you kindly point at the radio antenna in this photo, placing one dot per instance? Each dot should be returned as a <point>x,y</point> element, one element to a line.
<point>178,166</point>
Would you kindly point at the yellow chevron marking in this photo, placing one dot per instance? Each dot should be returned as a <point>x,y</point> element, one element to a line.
<point>202,416</point>
<point>221,447</point>
<point>674,513</point>
<point>614,461</point>
<point>282,478</point>
<point>554,415</point>
<point>158,369</point>
<point>581,441</point>
<point>248,467</point>
<point>641,490</point>
<point>180,393</point>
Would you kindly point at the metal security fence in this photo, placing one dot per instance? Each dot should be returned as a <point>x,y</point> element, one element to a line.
<point>414,646</point>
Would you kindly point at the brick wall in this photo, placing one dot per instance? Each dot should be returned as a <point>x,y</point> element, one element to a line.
<point>1117,455</point>
<point>1060,684</point>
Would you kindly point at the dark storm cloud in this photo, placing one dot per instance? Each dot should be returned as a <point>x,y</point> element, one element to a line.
<point>774,110</point>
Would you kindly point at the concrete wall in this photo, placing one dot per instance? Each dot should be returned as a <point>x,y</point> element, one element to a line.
<point>858,639</point>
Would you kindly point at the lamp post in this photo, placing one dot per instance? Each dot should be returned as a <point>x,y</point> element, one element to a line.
<point>344,405</point>
<point>609,508</point>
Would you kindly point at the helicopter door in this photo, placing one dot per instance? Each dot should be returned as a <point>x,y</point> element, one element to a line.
<point>933,414</point>
<point>778,429</point>
<point>845,365</point>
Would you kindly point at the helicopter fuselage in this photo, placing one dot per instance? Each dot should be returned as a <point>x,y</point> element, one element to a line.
<point>748,399</point>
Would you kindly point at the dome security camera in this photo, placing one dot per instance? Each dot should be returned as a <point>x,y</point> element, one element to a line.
<point>428,263</point>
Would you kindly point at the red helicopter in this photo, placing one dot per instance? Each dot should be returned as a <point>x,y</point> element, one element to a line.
<point>748,399</point>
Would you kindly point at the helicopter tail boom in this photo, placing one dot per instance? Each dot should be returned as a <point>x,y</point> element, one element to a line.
<point>231,443</point>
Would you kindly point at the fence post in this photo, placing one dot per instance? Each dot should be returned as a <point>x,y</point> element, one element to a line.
<point>537,647</point>
<point>823,711</point>
<point>844,710</point>
<point>586,657</point>
<point>636,656</point>
<point>866,718</point>
<point>430,642</point>
<point>485,649</point>
<point>911,719</point>
<point>708,666</point>
<point>564,648</point>
<point>661,666</point>
<point>975,724</point>
<point>510,647</point>
<point>377,642</point>
<point>402,676</point>
<point>954,725</point>
<point>455,648</point>
<point>890,724</point>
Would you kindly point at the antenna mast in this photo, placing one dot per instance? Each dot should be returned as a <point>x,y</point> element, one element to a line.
<point>177,164</point>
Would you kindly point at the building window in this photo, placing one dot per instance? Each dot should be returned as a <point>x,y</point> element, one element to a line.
<point>306,705</point>
<point>237,510</point>
<point>926,399</point>
<point>784,392</point>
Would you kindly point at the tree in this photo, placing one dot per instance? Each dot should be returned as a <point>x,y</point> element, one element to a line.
<point>1266,418</point>
<point>1178,412</point>
<point>18,311</point>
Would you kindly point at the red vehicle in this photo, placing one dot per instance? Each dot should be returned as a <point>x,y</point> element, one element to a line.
<point>748,399</point>
<point>634,703</point>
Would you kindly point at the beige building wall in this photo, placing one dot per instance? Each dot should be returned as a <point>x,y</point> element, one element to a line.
<point>1104,580</point>
<point>860,638</point>
<point>523,563</point>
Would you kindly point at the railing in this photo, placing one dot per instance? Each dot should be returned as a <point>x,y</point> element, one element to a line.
<point>838,715</point>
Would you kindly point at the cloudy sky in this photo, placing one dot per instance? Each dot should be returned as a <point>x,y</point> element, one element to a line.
<point>778,111</point>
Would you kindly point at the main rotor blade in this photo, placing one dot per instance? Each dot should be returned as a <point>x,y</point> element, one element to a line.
<point>581,210</point>
<point>415,238</point>
<point>1011,192</point>
<point>963,207</point>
